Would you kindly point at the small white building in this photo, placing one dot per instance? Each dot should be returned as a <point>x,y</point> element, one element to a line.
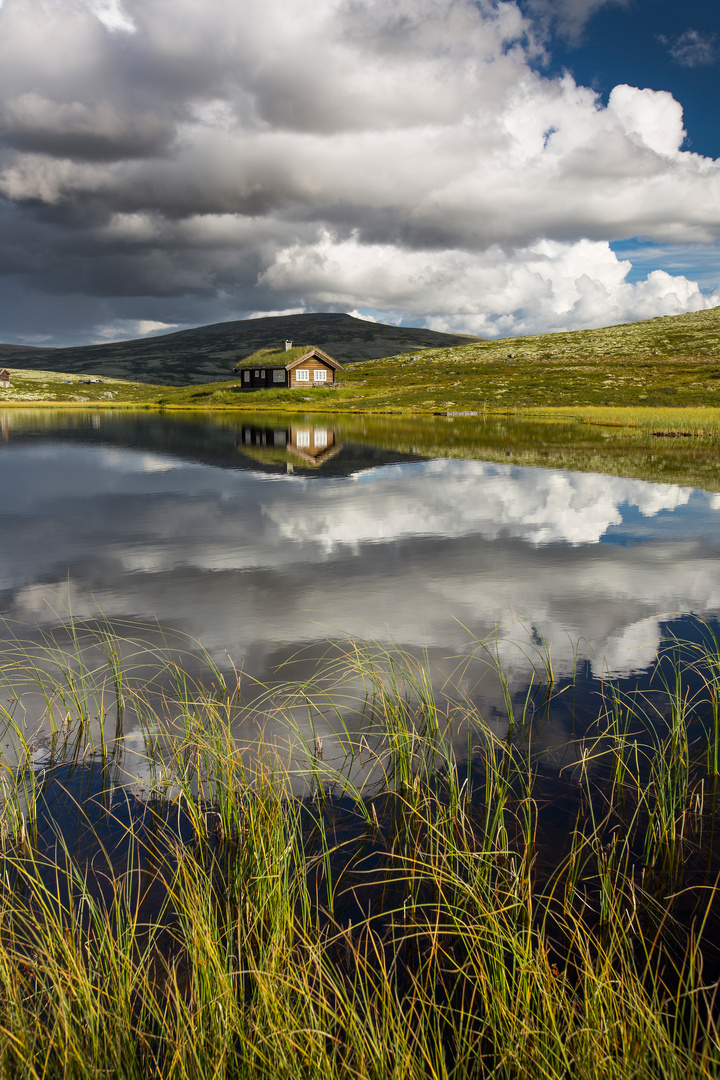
<point>5,378</point>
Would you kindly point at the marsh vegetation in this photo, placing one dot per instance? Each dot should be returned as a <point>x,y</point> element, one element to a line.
<point>410,894</point>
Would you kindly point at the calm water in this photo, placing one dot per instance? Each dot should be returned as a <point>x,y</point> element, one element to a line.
<point>264,540</point>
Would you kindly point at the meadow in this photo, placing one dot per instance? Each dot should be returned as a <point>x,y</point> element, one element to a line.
<point>666,362</point>
<point>376,904</point>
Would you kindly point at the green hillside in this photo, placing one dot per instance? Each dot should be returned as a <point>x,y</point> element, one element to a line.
<point>670,361</point>
<point>667,362</point>
<point>674,360</point>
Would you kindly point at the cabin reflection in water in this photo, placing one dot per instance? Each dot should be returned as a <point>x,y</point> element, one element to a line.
<point>313,444</point>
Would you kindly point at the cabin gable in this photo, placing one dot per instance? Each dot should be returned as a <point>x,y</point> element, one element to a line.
<point>312,369</point>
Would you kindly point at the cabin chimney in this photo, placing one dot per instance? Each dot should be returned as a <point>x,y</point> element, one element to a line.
<point>288,346</point>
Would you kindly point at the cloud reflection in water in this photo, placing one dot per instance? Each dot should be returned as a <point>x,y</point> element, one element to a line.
<point>254,563</point>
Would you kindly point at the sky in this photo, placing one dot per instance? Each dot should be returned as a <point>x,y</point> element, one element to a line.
<point>476,166</point>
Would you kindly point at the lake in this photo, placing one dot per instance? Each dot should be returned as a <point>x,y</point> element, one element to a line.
<point>266,538</point>
<point>322,731</point>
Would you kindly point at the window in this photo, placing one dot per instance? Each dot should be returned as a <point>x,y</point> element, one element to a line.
<point>320,437</point>
<point>279,375</point>
<point>246,376</point>
<point>262,373</point>
<point>257,374</point>
<point>320,375</point>
<point>302,375</point>
<point>302,438</point>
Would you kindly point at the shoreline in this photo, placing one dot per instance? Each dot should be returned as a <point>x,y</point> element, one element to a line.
<point>603,415</point>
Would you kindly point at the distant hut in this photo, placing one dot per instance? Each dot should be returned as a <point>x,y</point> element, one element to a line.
<point>298,368</point>
<point>5,378</point>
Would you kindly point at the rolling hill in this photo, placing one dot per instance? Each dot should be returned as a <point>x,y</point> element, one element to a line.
<point>209,353</point>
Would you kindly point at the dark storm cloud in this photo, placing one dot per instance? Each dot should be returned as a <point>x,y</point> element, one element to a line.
<point>222,158</point>
<point>81,132</point>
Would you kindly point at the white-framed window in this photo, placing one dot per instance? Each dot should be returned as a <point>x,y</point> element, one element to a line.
<point>320,436</point>
<point>320,375</point>
<point>246,376</point>
<point>303,437</point>
<point>302,375</point>
<point>279,375</point>
<point>257,374</point>
<point>262,373</point>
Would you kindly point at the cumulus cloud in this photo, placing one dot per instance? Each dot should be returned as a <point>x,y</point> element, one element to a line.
<point>219,159</point>
<point>541,288</point>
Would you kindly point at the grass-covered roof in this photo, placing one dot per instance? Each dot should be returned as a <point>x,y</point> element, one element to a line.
<point>269,358</point>
<point>273,357</point>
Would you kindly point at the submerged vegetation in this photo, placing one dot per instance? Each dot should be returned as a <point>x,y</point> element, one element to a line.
<point>401,889</point>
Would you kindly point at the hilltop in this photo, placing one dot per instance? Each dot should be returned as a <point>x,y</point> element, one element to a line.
<point>209,353</point>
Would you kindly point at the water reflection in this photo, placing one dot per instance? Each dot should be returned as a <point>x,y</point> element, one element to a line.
<point>263,565</point>
<point>312,445</point>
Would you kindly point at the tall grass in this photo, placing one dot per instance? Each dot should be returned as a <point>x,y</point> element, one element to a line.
<point>412,911</point>
<point>696,422</point>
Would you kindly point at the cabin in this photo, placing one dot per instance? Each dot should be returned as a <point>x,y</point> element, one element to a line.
<point>303,367</point>
<point>5,378</point>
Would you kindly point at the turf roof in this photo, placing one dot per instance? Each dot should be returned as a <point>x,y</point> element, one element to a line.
<point>273,357</point>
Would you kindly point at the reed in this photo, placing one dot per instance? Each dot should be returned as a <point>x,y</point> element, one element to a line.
<point>361,898</point>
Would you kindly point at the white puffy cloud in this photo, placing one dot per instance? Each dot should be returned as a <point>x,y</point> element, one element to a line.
<point>652,116</point>
<point>235,153</point>
<point>544,287</point>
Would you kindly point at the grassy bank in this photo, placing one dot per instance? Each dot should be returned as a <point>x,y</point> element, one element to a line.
<point>666,362</point>
<point>416,912</point>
